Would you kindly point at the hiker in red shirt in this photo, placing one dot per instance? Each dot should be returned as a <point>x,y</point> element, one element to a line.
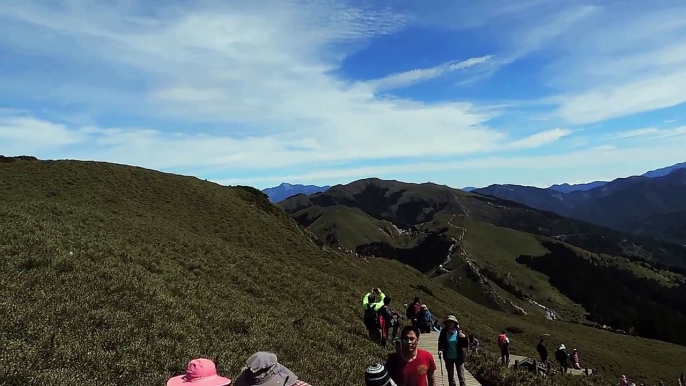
<point>411,366</point>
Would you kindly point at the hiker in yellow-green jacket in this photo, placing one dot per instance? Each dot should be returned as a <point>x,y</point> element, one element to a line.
<point>372,302</point>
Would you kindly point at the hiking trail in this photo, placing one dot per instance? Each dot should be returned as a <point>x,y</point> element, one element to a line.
<point>429,342</point>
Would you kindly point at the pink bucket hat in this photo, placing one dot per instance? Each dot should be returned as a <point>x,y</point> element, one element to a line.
<point>200,372</point>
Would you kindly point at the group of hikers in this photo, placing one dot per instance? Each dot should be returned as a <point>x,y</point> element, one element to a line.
<point>562,355</point>
<point>408,365</point>
<point>381,321</point>
<point>261,368</point>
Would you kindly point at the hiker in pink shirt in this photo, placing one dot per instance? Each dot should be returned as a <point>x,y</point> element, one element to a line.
<point>575,360</point>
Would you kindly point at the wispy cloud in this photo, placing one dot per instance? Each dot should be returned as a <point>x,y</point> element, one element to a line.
<point>539,139</point>
<point>650,132</point>
<point>407,78</point>
<point>606,156</point>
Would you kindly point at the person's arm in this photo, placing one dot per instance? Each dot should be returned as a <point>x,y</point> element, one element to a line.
<point>380,298</point>
<point>365,299</point>
<point>462,340</point>
<point>441,337</point>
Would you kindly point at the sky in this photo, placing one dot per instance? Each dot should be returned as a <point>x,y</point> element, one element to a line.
<point>259,92</point>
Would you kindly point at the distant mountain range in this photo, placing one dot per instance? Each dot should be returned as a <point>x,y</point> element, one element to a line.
<point>653,204</point>
<point>285,190</point>
<point>566,188</point>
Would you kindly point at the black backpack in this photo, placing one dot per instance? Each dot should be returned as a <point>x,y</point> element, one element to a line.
<point>371,318</point>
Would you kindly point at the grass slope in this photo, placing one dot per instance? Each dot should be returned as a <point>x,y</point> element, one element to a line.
<point>118,275</point>
<point>350,227</point>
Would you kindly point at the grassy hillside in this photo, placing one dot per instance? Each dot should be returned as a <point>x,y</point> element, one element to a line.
<point>119,275</point>
<point>350,227</point>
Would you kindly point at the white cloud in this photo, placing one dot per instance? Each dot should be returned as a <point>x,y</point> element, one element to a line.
<point>31,135</point>
<point>597,158</point>
<point>260,71</point>
<point>539,139</point>
<point>613,66</point>
<point>635,133</point>
<point>650,133</point>
<point>604,148</point>
<point>407,78</point>
<point>642,95</point>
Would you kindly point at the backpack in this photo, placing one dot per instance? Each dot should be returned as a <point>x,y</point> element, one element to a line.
<point>412,310</point>
<point>371,318</point>
<point>427,316</point>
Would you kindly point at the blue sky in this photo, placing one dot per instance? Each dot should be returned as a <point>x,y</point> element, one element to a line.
<point>257,92</point>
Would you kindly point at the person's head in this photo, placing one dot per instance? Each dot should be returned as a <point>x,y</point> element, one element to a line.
<point>409,337</point>
<point>263,368</point>
<point>416,299</point>
<point>504,332</point>
<point>376,290</point>
<point>451,323</point>
<point>199,371</point>
<point>387,300</point>
<point>371,298</point>
<point>424,307</point>
<point>377,375</point>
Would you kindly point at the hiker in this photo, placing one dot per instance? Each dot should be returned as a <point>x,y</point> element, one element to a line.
<point>377,375</point>
<point>385,317</point>
<point>575,360</point>
<point>372,302</point>
<point>199,371</point>
<point>451,344</point>
<point>424,319</point>
<point>395,323</point>
<point>411,366</point>
<point>504,345</point>
<point>542,351</point>
<point>412,311</point>
<point>562,356</point>
<point>375,297</point>
<point>264,369</point>
<point>436,326</point>
<point>682,380</point>
<point>474,344</point>
<point>623,381</point>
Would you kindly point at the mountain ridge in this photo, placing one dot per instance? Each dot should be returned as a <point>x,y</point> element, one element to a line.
<point>620,204</point>
<point>285,190</point>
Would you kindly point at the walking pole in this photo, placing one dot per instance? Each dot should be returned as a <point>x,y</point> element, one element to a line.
<point>440,361</point>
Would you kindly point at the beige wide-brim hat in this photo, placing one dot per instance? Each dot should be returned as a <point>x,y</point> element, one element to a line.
<point>451,318</point>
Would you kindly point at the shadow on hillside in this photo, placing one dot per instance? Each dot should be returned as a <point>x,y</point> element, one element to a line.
<point>615,297</point>
<point>425,256</point>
